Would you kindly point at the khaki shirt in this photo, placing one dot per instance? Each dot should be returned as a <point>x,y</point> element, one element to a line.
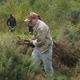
<point>42,35</point>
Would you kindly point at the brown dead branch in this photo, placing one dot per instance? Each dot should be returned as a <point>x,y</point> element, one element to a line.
<point>23,41</point>
<point>62,51</point>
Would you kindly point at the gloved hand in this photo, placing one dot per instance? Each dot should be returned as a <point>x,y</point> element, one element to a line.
<point>33,43</point>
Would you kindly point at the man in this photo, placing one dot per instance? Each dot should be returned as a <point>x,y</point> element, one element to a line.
<point>11,21</point>
<point>30,28</point>
<point>42,42</point>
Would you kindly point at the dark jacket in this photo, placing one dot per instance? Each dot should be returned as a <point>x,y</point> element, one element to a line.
<point>11,22</point>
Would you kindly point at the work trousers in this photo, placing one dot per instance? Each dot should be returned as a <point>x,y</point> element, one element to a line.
<point>45,57</point>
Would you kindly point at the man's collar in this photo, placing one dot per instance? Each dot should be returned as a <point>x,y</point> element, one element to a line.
<point>36,24</point>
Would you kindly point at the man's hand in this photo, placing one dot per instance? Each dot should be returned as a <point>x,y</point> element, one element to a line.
<point>33,43</point>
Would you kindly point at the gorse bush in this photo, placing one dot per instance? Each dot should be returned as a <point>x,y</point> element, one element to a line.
<point>75,15</point>
<point>15,66</point>
<point>60,10</point>
<point>72,34</point>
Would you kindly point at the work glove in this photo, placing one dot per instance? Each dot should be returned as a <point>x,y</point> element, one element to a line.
<point>33,43</point>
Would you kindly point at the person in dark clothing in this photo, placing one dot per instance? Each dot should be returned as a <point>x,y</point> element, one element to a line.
<point>30,28</point>
<point>11,22</point>
<point>40,18</point>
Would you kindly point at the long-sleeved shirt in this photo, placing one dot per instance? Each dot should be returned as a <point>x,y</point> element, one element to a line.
<point>42,35</point>
<point>11,22</point>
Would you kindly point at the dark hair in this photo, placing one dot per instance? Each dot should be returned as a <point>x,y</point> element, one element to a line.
<point>38,16</point>
<point>11,14</point>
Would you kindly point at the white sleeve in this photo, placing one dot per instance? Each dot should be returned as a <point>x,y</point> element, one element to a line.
<point>34,42</point>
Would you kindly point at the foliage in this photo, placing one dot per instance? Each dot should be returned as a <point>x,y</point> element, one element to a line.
<point>60,15</point>
<point>15,66</point>
<point>60,10</point>
<point>57,11</point>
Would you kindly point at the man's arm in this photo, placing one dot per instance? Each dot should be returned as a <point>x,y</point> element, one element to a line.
<point>40,37</point>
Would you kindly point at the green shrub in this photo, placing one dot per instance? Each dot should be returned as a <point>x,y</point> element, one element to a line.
<point>13,65</point>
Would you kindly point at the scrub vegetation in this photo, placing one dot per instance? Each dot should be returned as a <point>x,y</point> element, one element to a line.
<point>63,18</point>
